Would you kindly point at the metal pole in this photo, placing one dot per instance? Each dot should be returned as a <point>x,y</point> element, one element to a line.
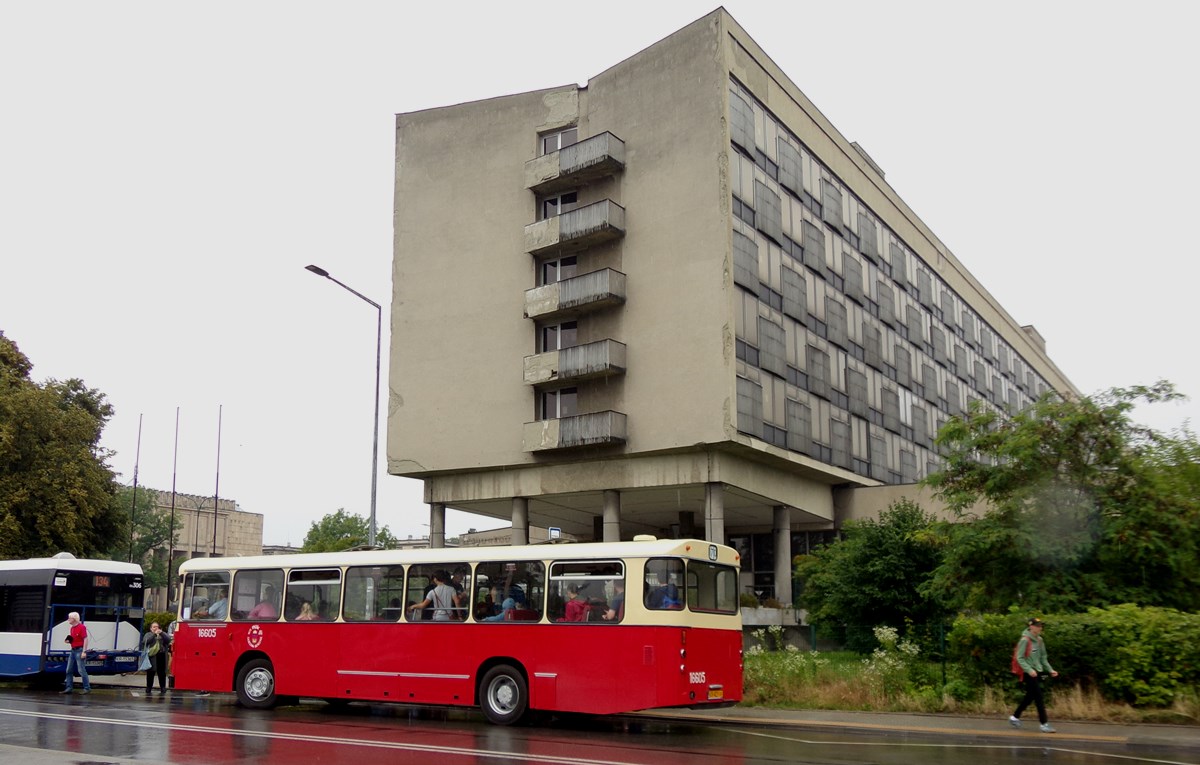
<point>133,505</point>
<point>375,423</point>
<point>217,490</point>
<point>171,528</point>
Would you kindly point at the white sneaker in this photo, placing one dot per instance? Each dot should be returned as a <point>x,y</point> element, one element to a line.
<point>1045,728</point>
<point>1014,721</point>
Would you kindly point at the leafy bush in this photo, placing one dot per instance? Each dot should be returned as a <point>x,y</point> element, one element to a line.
<point>1146,656</point>
<point>163,618</point>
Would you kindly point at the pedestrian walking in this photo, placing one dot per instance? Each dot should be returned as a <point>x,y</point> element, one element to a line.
<point>77,639</point>
<point>1030,655</point>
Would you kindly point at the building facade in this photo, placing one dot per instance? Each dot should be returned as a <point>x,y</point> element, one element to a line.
<point>236,533</point>
<point>676,301</point>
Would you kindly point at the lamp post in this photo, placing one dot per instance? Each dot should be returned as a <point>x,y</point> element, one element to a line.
<point>375,423</point>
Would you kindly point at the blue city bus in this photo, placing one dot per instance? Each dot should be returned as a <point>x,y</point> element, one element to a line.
<point>37,594</point>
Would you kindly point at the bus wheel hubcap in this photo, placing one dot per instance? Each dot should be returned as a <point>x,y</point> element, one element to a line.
<point>504,695</point>
<point>258,684</point>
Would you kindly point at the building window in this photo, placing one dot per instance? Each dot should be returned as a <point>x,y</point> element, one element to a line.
<point>557,205</point>
<point>771,347</point>
<point>741,123</point>
<point>559,269</point>
<point>831,205</point>
<point>749,407</point>
<point>555,404</point>
<point>818,371</point>
<point>552,142</point>
<point>745,261</point>
<point>555,337</point>
<point>796,303</point>
<point>770,216</point>
<point>743,211</point>
<point>790,175</point>
<point>812,241</point>
<point>866,236</point>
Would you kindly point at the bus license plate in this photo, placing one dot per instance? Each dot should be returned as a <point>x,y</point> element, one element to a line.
<point>716,694</point>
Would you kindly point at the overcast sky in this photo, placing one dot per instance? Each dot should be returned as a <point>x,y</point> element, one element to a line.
<point>168,169</point>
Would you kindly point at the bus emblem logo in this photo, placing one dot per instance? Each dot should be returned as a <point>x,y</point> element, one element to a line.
<point>254,636</point>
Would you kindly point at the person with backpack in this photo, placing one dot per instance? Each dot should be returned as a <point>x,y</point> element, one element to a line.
<point>1030,657</point>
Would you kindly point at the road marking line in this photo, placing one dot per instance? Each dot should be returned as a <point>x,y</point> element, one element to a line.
<point>290,737</point>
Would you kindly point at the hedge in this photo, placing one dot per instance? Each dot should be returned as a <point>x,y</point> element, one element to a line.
<point>1145,656</point>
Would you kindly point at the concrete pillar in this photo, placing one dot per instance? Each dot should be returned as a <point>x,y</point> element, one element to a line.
<point>437,525</point>
<point>783,554</point>
<point>714,513</point>
<point>612,515</point>
<point>687,524</point>
<point>520,521</point>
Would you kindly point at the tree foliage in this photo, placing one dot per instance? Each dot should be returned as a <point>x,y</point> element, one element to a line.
<point>343,531</point>
<point>872,576</point>
<point>56,488</point>
<point>1083,507</point>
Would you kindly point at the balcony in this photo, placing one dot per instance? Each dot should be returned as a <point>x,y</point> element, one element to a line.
<point>579,294</point>
<point>577,165</point>
<point>581,362</point>
<point>576,230</point>
<point>597,429</point>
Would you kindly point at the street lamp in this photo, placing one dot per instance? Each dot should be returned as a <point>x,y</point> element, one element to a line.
<point>375,423</point>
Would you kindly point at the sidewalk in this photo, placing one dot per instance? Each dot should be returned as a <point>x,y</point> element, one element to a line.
<point>1176,736</point>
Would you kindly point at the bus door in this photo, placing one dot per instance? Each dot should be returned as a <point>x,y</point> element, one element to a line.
<point>202,648</point>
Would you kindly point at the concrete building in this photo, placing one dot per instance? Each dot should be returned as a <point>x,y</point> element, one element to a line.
<point>676,301</point>
<point>237,532</point>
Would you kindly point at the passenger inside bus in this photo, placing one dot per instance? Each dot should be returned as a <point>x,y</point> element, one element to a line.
<point>664,596</point>
<point>217,607</point>
<point>577,606</point>
<point>268,608</point>
<point>616,604</point>
<point>500,614</point>
<point>307,614</point>
<point>441,599</point>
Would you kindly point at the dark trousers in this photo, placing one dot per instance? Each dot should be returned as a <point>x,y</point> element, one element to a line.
<point>158,666</point>
<point>1033,694</point>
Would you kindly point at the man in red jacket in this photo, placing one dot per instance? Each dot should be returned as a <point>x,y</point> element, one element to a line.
<point>78,640</point>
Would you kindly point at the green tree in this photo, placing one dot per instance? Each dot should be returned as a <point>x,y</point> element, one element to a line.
<point>872,576</point>
<point>56,487</point>
<point>1069,504</point>
<point>343,531</point>
<point>152,533</point>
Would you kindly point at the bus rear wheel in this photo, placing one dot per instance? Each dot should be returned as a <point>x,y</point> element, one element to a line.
<point>504,695</point>
<point>256,685</point>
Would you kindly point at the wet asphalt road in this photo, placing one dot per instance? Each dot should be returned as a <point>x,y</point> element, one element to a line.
<point>113,725</point>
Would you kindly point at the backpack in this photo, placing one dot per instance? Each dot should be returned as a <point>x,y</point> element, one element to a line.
<point>1016,665</point>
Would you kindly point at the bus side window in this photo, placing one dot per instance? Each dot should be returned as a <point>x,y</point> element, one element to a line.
<point>586,591</point>
<point>374,593</point>
<point>313,595</point>
<point>664,579</point>
<point>206,595</point>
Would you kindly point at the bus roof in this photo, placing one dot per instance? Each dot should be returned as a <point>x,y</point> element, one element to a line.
<point>71,564</point>
<point>688,548</point>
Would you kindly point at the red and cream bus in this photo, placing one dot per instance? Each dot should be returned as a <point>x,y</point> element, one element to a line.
<point>590,628</point>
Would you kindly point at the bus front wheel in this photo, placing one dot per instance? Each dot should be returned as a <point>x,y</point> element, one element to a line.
<point>504,695</point>
<point>256,685</point>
